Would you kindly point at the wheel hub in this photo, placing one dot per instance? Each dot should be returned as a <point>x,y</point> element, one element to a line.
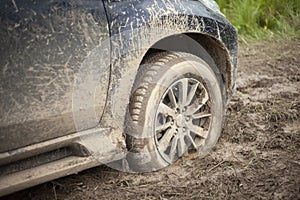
<point>180,121</point>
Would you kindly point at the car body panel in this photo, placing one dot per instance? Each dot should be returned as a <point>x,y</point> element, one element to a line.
<point>43,48</point>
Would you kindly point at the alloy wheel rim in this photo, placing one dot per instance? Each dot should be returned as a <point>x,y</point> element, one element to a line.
<point>183,119</point>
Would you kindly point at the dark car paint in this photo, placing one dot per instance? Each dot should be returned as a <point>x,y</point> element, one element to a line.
<point>43,44</point>
<point>200,18</point>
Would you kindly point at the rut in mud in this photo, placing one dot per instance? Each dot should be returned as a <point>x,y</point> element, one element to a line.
<point>258,155</point>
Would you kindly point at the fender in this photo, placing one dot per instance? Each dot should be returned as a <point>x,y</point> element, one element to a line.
<point>135,26</point>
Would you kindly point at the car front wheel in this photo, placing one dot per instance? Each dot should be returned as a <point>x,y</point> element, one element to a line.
<point>176,108</point>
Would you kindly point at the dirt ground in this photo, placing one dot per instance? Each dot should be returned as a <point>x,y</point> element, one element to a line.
<point>257,157</point>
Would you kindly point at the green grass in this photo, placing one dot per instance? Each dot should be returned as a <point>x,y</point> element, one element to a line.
<point>261,19</point>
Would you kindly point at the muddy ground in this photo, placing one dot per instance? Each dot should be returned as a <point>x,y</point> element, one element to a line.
<point>257,157</point>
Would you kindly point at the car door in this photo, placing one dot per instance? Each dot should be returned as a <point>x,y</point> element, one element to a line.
<point>49,50</point>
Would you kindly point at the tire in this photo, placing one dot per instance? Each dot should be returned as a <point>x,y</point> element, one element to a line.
<point>176,108</point>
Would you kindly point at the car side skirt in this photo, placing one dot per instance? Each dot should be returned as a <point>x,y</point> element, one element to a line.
<point>45,161</point>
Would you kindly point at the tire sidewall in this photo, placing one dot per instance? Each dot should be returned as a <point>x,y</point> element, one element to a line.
<point>190,67</point>
<point>185,66</point>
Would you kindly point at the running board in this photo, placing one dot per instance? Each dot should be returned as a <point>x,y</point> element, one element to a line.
<point>34,176</point>
<point>49,145</point>
<point>84,150</point>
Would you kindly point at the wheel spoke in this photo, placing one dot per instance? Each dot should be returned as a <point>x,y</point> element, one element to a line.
<point>172,98</point>
<point>205,98</point>
<point>166,110</point>
<point>181,146</point>
<point>197,130</point>
<point>163,127</point>
<point>183,92</point>
<point>164,141</point>
<point>192,93</point>
<point>173,148</point>
<point>192,109</point>
<point>192,141</point>
<point>201,115</point>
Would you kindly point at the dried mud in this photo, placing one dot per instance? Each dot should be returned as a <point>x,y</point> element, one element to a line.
<point>257,157</point>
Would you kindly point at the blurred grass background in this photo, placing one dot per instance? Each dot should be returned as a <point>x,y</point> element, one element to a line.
<point>263,19</point>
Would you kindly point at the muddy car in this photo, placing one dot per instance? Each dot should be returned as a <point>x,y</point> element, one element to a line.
<point>132,84</point>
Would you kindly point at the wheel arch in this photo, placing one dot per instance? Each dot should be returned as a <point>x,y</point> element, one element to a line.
<point>189,43</point>
<point>122,87</point>
<point>136,31</point>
